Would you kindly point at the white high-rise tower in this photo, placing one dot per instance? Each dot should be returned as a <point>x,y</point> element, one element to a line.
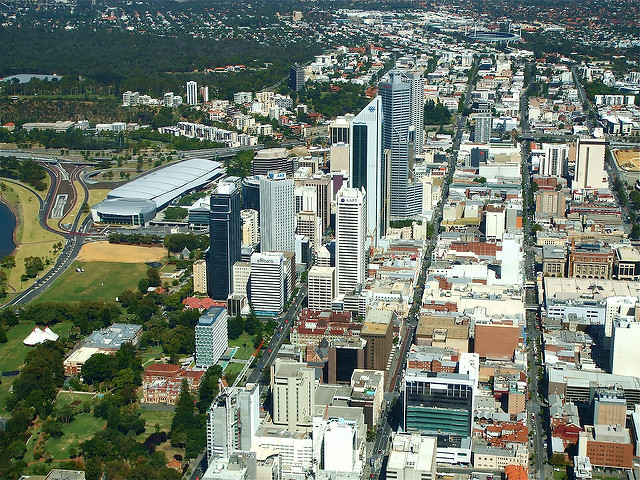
<point>277,213</point>
<point>192,93</point>
<point>351,231</point>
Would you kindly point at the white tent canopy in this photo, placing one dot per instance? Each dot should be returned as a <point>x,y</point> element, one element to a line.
<point>40,336</point>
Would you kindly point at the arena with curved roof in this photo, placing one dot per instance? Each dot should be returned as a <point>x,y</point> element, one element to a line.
<point>138,201</point>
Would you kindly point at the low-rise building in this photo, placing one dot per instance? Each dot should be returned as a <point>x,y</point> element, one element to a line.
<point>606,446</point>
<point>496,458</point>
<point>162,383</point>
<point>412,457</point>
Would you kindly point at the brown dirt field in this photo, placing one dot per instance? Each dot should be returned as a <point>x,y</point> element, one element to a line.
<point>629,160</point>
<point>110,252</point>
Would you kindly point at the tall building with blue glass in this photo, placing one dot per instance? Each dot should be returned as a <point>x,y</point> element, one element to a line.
<point>399,137</point>
<point>225,232</point>
<point>370,165</point>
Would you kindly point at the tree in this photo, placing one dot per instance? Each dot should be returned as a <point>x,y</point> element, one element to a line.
<point>93,469</point>
<point>208,388</point>
<point>252,325</point>
<point>183,417</point>
<point>153,277</point>
<point>534,187</point>
<point>143,285</point>
<point>98,368</point>
<point>53,428</point>
<point>235,326</point>
<point>635,231</point>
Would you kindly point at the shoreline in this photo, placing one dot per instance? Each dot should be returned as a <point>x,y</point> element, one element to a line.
<point>16,215</point>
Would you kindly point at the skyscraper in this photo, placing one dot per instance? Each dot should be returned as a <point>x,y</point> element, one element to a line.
<point>232,421</point>
<point>370,166</point>
<point>351,230</point>
<point>416,82</point>
<point>590,173</point>
<point>268,283</point>
<point>405,197</point>
<point>483,128</point>
<point>192,93</point>
<point>296,77</point>
<point>277,213</point>
<point>225,232</point>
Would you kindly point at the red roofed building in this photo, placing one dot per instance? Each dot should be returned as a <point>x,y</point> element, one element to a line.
<point>496,340</point>
<point>162,383</point>
<point>201,304</point>
<point>312,326</point>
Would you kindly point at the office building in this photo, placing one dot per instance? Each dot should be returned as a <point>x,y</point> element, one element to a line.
<point>322,184</point>
<point>498,458</point>
<point>339,129</point>
<point>296,77</point>
<point>496,341</point>
<point>351,228</point>
<point>438,403</point>
<point>625,354</point>
<point>551,202</point>
<point>192,93</point>
<point>225,233</point>
<point>345,355</point>
<point>200,276</point>
<point>609,407</point>
<point>590,173</point>
<point>495,217</point>
<point>293,390</point>
<point>277,213</point>
<point>267,283</point>
<point>211,337</point>
<point>416,128</point>
<point>483,128</point>
<point>412,457</point>
<point>395,93</point>
<point>478,156</point>
<point>272,160</point>
<point>232,421</point>
<point>251,193</point>
<point>617,307</point>
<point>250,227</point>
<point>370,167</point>
<point>241,276</point>
<point>204,93</point>
<point>553,160</point>
<point>368,393</point>
<point>606,446</point>
<point>321,287</point>
<point>377,330</point>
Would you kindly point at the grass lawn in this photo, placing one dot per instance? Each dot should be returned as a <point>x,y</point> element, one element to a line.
<point>13,352</point>
<point>233,368</point>
<point>560,475</point>
<point>96,195</point>
<point>243,353</point>
<point>117,277</point>
<point>150,354</point>
<point>66,398</point>
<point>82,428</point>
<point>151,417</point>
<point>32,239</point>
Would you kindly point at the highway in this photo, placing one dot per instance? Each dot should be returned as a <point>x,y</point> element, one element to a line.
<point>73,241</point>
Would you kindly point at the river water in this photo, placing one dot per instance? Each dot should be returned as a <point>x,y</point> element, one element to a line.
<point>7,225</point>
